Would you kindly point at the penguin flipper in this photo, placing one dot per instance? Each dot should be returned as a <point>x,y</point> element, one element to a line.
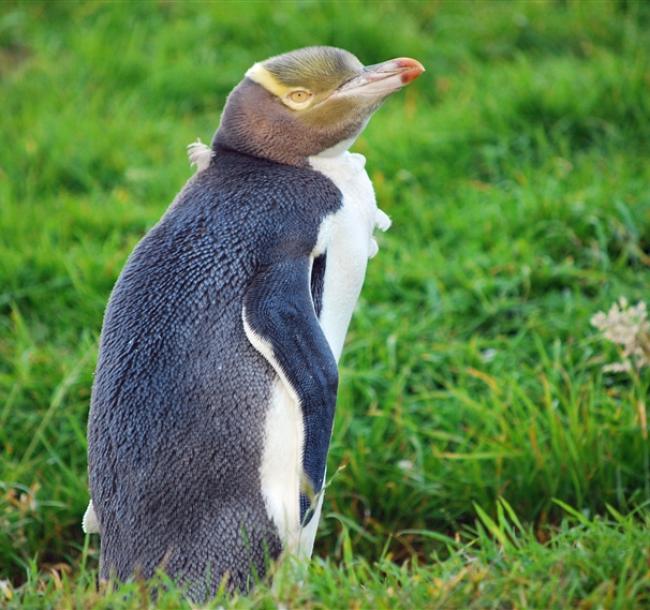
<point>280,322</point>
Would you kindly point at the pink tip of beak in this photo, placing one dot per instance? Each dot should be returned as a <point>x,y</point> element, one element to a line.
<point>410,69</point>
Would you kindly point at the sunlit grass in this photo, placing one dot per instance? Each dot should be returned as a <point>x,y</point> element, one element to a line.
<point>516,171</point>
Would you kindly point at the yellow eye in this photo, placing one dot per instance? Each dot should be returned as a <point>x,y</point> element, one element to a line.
<point>299,96</point>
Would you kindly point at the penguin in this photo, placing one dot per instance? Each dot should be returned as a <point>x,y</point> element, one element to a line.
<point>216,382</point>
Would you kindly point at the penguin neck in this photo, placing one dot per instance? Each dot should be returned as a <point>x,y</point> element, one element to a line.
<point>221,142</point>
<point>334,152</point>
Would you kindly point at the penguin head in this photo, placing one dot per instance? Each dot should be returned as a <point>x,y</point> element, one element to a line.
<point>303,103</point>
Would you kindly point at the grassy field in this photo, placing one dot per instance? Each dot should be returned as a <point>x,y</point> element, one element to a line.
<point>481,456</point>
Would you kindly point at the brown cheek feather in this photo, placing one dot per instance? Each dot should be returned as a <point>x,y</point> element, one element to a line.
<point>257,123</point>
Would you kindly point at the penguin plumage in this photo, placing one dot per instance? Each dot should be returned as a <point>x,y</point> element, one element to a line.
<point>216,382</point>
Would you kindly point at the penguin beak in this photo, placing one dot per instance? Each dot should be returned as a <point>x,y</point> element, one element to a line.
<point>380,80</point>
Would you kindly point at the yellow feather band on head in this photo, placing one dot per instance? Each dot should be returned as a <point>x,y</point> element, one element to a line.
<point>259,74</point>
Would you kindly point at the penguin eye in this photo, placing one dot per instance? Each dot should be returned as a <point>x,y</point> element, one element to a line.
<point>298,98</point>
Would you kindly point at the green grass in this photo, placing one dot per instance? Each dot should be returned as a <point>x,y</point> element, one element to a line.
<point>517,174</point>
<point>590,564</point>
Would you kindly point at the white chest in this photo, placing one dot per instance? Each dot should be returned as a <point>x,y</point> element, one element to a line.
<point>346,238</point>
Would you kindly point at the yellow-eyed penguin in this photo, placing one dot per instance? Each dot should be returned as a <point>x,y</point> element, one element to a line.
<point>216,382</point>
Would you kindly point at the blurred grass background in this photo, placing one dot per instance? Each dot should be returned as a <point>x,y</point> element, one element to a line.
<point>517,174</point>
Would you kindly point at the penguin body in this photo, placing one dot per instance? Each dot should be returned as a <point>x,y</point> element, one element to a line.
<point>181,395</point>
<point>215,388</point>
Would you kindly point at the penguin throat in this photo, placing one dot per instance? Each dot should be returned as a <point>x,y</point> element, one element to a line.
<point>338,149</point>
<point>344,145</point>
